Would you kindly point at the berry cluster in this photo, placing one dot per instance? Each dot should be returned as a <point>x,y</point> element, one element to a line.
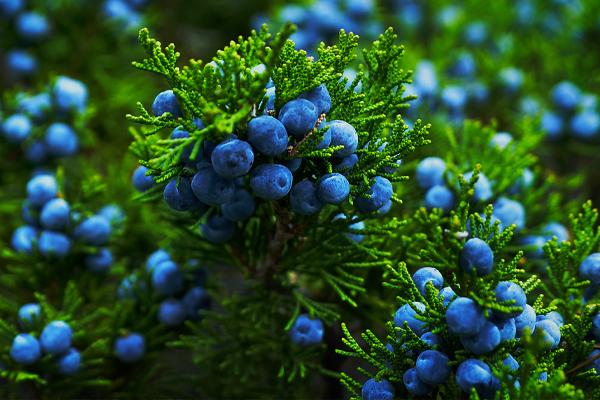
<point>42,125</point>
<point>259,164</point>
<point>55,341</point>
<point>52,226</point>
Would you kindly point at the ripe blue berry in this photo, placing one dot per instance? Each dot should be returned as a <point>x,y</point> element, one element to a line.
<point>320,97</point>
<point>212,189</point>
<point>69,363</point>
<point>41,189</point>
<point>267,135</point>
<point>10,7</point>
<point>240,207</point>
<point>596,362</point>
<point>346,163</point>
<point>585,124</point>
<point>141,181</point>
<point>447,295</point>
<point>54,244</point>
<point>56,337</point>
<point>534,246</point>
<point>70,94</point>
<point>430,172</point>
<point>566,95</point>
<point>16,128</point>
<point>99,262</point>
<point>113,214</point>
<point>194,300</point>
<point>427,274</point>
<point>408,313</point>
<point>166,102</point>
<point>439,197</point>
<point>25,349</point>
<point>61,140</point>
<point>292,164</point>
<point>413,384</point>
<point>432,367</point>
<point>179,196</point>
<point>551,124</point>
<point>507,328</point>
<point>477,254</point>
<point>511,79</point>
<point>482,188</point>
<point>36,152</point>
<point>128,287</point>
<point>156,258</point>
<point>590,268</point>
<point>23,239</point>
<point>501,140</point>
<point>29,313</point>
<point>343,134</point>
<point>271,181</point>
<point>130,348</point>
<point>512,294</point>
<point>232,158</point>
<point>306,331</point>
<point>299,117</point>
<point>525,320</point>
<point>171,312</point>
<point>454,97</point>
<point>333,188</point>
<point>167,279</point>
<point>464,317</point>
<point>596,326</point>
<point>473,373</point>
<point>430,338</point>
<point>380,193</point>
<point>94,230</point>
<point>55,214</point>
<point>303,198</point>
<point>36,106</point>
<point>32,26</point>
<point>552,316</point>
<point>555,229</point>
<point>218,229</point>
<point>425,78</point>
<point>485,341</point>
<point>550,331</point>
<point>377,390</point>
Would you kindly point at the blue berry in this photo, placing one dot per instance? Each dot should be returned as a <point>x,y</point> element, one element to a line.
<point>10,7</point>
<point>439,196</point>
<point>167,278</point>
<point>171,312</point>
<point>430,172</point>
<point>511,363</point>
<point>218,229</point>
<point>454,97</point>
<point>306,331</point>
<point>56,337</point>
<point>552,316</point>
<point>590,268</point>
<point>267,135</point>
<point>166,102</point>
<point>380,193</point>
<point>596,326</point>
<point>566,95</point>
<point>596,362</point>
<point>194,300</point>
<point>525,320</point>
<point>427,274</point>
<point>141,181</point>
<point>36,152</point>
<point>501,140</point>
<point>408,313</point>
<point>29,313</point>
<point>512,294</point>
<point>550,332</point>
<point>447,295</point>
<point>271,181</point>
<point>586,124</point>
<point>523,182</point>
<point>55,214</point>
<point>99,262</point>
<point>482,189</point>
<point>54,244</point>
<point>385,208</point>
<point>303,198</point>
<point>113,214</point>
<point>478,255</point>
<point>299,117</point>
<point>534,246</point>
<point>333,188</point>
<point>425,78</point>
<point>240,207</point>
<point>464,317</point>
<point>94,230</point>
<point>485,341</point>
<point>269,99</point>
<point>552,124</point>
<point>507,328</point>
<point>464,66</point>
<point>32,26</point>
<point>156,258</point>
<point>25,349</point>
<point>212,189</point>
<point>432,367</point>
<point>357,226</point>
<point>23,239</point>
<point>510,212</point>
<point>70,94</point>
<point>36,106</point>
<point>128,287</point>
<point>413,384</point>
<point>346,163</point>
<point>232,158</point>
<point>343,134</point>
<point>61,140</point>
<point>179,195</point>
<point>20,62</point>
<point>476,32</point>
<point>179,133</point>
<point>292,164</point>
<point>511,79</point>
<point>555,229</point>
<point>473,373</point>
<point>16,128</point>
<point>130,348</point>
<point>70,362</point>
<point>41,189</point>
<point>377,390</point>
<point>431,339</point>
<point>320,97</point>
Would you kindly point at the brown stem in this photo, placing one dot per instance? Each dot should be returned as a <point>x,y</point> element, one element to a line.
<point>585,363</point>
<point>293,150</point>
